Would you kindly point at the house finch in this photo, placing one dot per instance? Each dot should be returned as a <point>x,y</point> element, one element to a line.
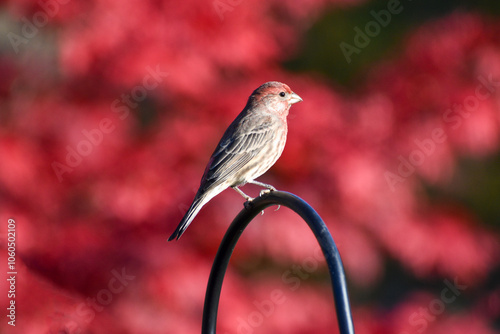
<point>249,147</point>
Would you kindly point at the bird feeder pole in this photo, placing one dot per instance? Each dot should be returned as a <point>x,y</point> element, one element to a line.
<point>325,240</point>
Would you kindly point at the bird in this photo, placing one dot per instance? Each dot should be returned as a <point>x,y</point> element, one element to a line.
<point>251,145</point>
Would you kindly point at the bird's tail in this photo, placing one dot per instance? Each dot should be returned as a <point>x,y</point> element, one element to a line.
<point>195,207</point>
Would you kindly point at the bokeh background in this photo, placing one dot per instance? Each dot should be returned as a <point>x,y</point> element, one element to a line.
<point>109,111</point>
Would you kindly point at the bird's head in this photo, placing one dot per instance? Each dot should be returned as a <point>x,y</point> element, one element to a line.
<point>274,96</point>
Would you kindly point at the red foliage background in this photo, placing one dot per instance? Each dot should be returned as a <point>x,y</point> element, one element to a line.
<point>109,111</point>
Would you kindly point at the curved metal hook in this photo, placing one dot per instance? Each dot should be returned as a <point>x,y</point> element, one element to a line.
<point>304,210</point>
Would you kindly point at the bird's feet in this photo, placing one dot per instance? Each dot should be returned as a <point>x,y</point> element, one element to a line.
<point>268,187</point>
<point>264,191</point>
<point>267,191</point>
<point>248,203</point>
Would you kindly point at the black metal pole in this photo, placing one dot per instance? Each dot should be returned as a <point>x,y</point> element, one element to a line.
<point>304,210</point>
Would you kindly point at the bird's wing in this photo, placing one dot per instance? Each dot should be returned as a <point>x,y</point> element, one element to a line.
<point>237,148</point>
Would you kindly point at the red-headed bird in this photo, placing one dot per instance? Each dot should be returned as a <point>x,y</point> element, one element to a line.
<point>250,146</point>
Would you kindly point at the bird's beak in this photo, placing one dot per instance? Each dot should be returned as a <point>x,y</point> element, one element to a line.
<point>294,98</point>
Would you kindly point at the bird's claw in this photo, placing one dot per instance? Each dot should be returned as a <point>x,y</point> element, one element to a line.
<point>249,204</point>
<point>266,191</point>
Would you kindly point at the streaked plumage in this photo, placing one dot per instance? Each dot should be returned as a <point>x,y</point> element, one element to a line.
<point>250,146</point>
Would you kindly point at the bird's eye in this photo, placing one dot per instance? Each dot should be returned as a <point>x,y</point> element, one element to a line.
<point>282,94</point>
